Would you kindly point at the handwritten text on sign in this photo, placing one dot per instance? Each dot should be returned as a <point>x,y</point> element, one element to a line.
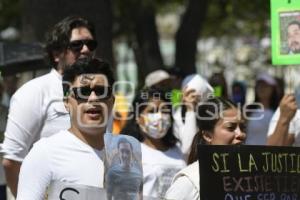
<point>249,172</point>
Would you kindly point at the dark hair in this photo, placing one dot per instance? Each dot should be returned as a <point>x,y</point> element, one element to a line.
<point>58,38</point>
<point>218,80</point>
<point>241,86</point>
<point>139,104</point>
<point>295,22</point>
<point>86,66</point>
<point>207,123</point>
<point>274,99</point>
<point>123,140</point>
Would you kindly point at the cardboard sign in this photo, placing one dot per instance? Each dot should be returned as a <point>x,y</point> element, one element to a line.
<point>285,31</point>
<point>69,191</point>
<point>124,171</point>
<point>249,172</point>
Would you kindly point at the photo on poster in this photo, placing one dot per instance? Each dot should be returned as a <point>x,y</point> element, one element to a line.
<point>290,32</point>
<point>124,173</point>
<point>285,32</point>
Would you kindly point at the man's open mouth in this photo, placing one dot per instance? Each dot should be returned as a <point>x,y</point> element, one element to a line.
<point>94,112</point>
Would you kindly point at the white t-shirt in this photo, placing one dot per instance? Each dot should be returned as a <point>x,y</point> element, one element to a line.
<point>159,169</point>
<point>294,127</point>
<point>3,115</point>
<point>36,110</point>
<point>185,131</point>
<point>186,184</point>
<point>257,128</point>
<point>62,157</point>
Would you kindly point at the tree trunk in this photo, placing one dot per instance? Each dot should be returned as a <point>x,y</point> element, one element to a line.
<point>187,35</point>
<point>147,51</point>
<point>41,15</point>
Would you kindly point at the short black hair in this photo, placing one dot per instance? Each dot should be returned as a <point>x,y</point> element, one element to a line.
<point>86,66</point>
<point>58,38</point>
<point>294,22</point>
<point>124,140</point>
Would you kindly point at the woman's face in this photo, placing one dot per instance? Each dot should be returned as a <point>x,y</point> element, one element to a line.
<point>154,106</point>
<point>155,119</point>
<point>264,90</point>
<point>230,129</point>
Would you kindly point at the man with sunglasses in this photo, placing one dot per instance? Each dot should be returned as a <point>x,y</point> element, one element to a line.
<point>36,109</point>
<point>74,156</point>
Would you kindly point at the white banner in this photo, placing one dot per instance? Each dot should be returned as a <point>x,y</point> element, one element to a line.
<point>69,191</point>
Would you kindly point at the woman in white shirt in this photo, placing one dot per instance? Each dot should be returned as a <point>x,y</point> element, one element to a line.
<point>219,123</point>
<point>265,103</point>
<point>151,124</point>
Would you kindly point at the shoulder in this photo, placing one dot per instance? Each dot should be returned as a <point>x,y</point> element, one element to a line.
<point>41,80</point>
<point>58,138</point>
<point>191,173</point>
<point>184,186</point>
<point>37,84</point>
<point>53,141</point>
<point>39,151</point>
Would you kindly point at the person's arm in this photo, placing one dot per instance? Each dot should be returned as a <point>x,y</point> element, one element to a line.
<point>23,124</point>
<point>12,169</point>
<point>281,136</point>
<point>35,174</point>
<point>187,132</point>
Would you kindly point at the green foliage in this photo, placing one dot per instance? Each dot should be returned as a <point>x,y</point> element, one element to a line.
<point>125,12</point>
<point>224,17</point>
<point>163,6</point>
<point>10,12</point>
<point>242,17</point>
<point>123,16</point>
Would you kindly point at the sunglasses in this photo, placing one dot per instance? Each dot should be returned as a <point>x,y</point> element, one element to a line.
<point>77,45</point>
<point>83,93</point>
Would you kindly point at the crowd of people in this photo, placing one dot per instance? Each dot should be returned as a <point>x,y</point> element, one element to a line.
<point>56,126</point>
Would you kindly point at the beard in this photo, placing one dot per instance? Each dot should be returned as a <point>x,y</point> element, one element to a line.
<point>67,59</point>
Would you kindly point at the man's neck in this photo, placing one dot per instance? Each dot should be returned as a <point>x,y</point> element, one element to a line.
<point>94,140</point>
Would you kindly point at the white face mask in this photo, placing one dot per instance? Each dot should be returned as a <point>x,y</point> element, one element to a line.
<point>156,125</point>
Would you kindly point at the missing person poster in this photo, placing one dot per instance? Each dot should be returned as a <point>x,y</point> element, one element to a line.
<point>124,173</point>
<point>285,31</point>
<point>246,172</point>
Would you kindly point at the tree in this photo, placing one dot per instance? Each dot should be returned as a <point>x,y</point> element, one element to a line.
<point>9,13</point>
<point>187,35</point>
<point>202,18</point>
<point>147,51</point>
<point>135,21</point>
<point>142,30</point>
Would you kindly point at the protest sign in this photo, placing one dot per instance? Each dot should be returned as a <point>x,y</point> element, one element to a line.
<point>245,172</point>
<point>285,31</point>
